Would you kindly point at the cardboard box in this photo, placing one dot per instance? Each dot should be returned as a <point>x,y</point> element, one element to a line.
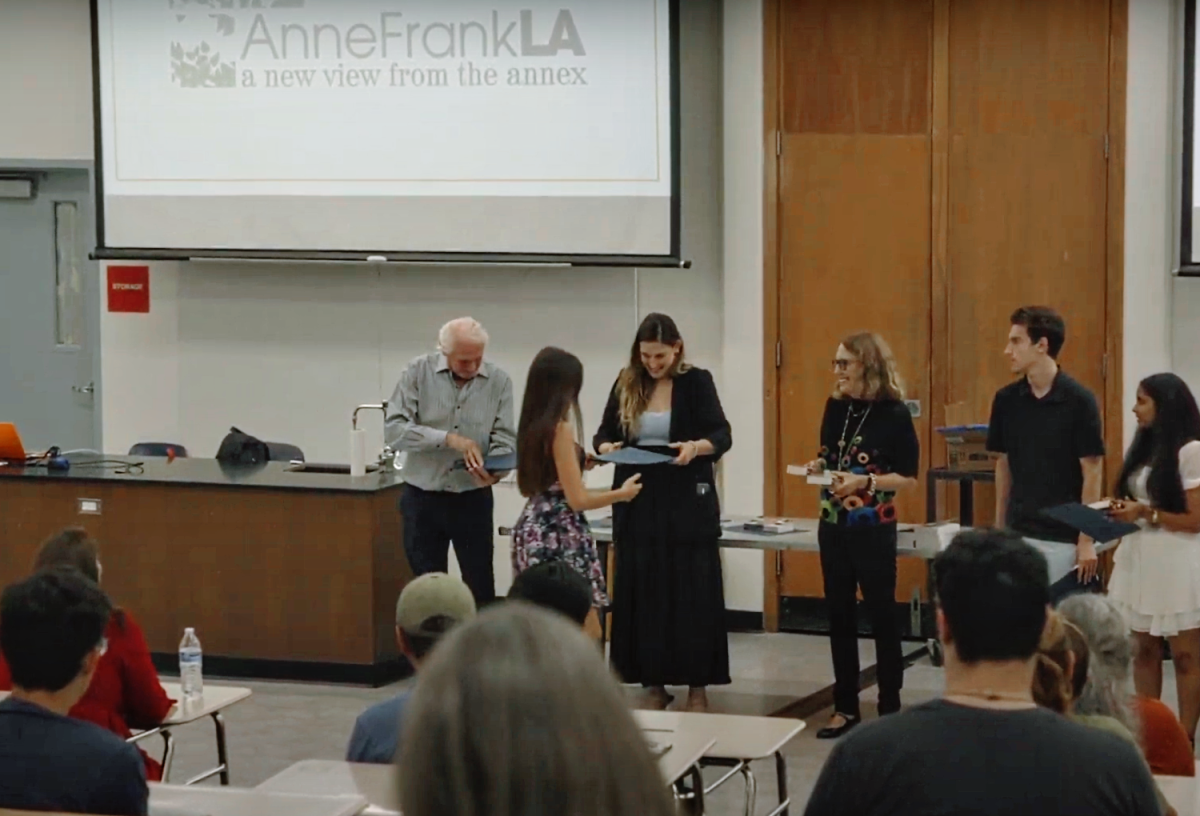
<point>966,448</point>
<point>966,443</point>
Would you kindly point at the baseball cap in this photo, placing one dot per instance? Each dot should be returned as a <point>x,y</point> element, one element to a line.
<point>433,595</point>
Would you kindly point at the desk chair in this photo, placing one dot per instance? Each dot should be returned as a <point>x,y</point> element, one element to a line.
<point>283,452</point>
<point>158,449</point>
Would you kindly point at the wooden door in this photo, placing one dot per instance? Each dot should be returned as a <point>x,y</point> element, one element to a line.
<point>1028,119</point>
<point>853,218</point>
<point>942,162</point>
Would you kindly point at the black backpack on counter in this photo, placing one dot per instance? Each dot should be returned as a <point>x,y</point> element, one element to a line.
<point>239,448</point>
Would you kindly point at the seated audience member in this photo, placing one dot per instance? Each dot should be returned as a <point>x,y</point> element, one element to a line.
<point>1061,673</point>
<point>1107,691</point>
<point>125,692</point>
<point>52,635</point>
<point>1060,676</point>
<point>517,714</point>
<point>986,747</point>
<point>557,586</point>
<point>429,607</point>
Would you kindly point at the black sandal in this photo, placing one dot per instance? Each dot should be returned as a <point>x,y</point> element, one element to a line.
<point>835,731</point>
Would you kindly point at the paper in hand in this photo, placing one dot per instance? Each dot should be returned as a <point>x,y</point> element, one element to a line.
<point>1090,521</point>
<point>634,456</point>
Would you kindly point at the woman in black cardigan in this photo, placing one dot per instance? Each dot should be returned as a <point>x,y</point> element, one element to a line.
<point>669,597</point>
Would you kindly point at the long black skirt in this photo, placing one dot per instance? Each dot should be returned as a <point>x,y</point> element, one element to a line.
<point>668,596</point>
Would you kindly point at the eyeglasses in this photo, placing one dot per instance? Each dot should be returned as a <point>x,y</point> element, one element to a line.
<point>842,365</point>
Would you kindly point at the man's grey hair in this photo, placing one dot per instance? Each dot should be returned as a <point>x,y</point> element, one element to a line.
<point>1110,660</point>
<point>458,329</point>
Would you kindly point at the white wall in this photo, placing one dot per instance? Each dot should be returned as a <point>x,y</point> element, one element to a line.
<point>1185,321</point>
<point>742,354</point>
<point>1162,312</point>
<point>1150,172</point>
<point>45,80</point>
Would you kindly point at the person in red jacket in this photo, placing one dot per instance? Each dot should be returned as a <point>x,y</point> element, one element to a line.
<point>125,692</point>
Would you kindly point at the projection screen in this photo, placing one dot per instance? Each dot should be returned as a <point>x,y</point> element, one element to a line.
<point>497,130</point>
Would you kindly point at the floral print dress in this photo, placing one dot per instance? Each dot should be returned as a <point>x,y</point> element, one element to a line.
<point>549,530</point>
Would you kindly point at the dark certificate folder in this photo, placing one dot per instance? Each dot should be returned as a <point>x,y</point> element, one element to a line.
<point>1091,522</point>
<point>501,463</point>
<point>634,456</point>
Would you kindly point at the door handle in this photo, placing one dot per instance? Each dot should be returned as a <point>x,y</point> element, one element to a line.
<point>90,388</point>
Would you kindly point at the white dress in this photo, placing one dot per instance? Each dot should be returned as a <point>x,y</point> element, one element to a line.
<point>1156,573</point>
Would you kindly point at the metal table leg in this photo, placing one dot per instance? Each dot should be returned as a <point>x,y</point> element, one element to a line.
<point>690,796</point>
<point>168,758</point>
<point>751,788</point>
<point>966,502</point>
<point>781,781</point>
<point>222,755</point>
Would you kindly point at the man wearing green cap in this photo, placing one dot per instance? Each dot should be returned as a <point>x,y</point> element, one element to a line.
<point>428,608</point>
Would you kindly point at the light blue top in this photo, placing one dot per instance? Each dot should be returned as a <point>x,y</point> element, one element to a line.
<point>655,428</point>
<point>377,731</point>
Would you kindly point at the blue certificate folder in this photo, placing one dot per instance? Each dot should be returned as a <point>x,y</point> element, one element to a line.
<point>501,463</point>
<point>1093,523</point>
<point>634,456</point>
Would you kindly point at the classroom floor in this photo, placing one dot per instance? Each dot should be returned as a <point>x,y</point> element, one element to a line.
<point>284,723</point>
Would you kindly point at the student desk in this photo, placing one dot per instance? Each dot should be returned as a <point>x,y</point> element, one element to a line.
<point>1182,792</point>
<point>283,574</point>
<point>182,800</point>
<point>740,741</point>
<point>215,700</point>
<point>376,784</point>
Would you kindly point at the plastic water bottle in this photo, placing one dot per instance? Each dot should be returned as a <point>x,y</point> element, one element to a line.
<point>191,665</point>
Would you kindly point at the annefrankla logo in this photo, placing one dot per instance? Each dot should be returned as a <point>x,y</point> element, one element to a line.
<point>206,39</point>
<point>214,38</point>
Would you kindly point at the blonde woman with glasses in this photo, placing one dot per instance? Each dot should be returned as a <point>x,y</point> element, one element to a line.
<point>869,445</point>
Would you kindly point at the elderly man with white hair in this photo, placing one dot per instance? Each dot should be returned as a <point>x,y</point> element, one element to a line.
<point>452,406</point>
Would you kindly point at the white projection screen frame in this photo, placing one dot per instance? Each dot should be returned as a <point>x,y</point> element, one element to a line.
<point>504,131</point>
<point>1189,223</point>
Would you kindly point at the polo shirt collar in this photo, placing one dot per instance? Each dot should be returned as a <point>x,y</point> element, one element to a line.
<point>443,364</point>
<point>14,706</point>
<point>1057,392</point>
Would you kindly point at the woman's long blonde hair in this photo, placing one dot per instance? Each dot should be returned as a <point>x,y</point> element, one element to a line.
<point>635,386</point>
<point>881,379</point>
<point>1061,664</point>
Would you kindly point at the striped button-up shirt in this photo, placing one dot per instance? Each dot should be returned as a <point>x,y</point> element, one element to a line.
<point>428,405</point>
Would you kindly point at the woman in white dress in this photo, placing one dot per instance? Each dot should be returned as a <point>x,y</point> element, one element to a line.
<point>1156,573</point>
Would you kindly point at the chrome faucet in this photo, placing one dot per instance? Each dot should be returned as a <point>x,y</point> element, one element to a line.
<point>387,456</point>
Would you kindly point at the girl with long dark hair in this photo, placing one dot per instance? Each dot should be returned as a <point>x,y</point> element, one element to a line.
<point>1156,572</point>
<point>669,613</point>
<point>550,464</point>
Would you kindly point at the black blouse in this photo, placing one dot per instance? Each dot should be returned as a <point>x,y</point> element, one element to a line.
<point>696,414</point>
<point>860,436</point>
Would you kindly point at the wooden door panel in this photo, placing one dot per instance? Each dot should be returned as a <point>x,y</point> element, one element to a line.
<point>855,243</point>
<point>1035,67</point>
<point>855,67</point>
<point>1027,227</point>
<point>1027,184</point>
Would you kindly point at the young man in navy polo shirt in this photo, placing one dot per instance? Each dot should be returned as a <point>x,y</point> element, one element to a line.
<point>52,635</point>
<point>1046,428</point>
